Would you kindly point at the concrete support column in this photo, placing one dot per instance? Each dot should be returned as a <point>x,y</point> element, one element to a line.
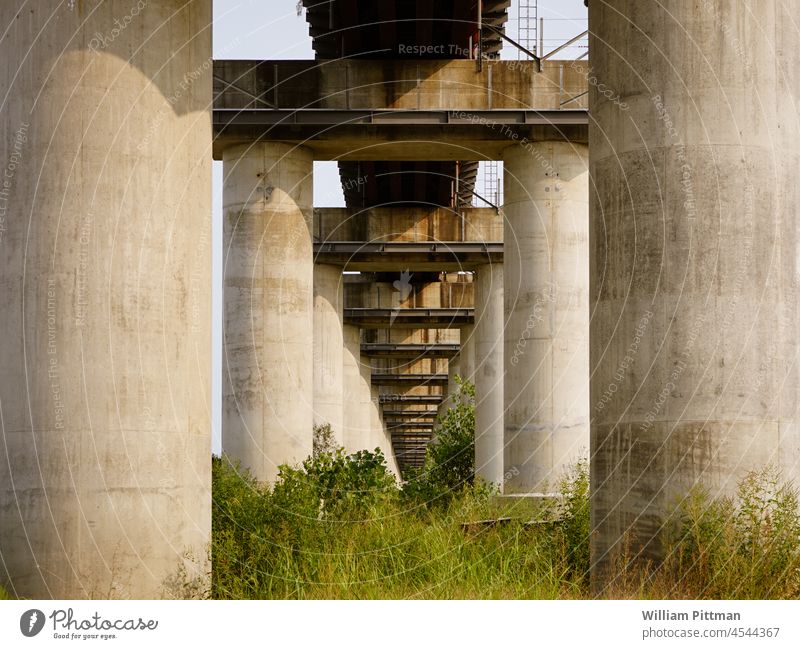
<point>547,313</point>
<point>466,356</point>
<point>105,277</point>
<point>453,371</point>
<point>267,417</point>
<point>489,376</point>
<point>329,349</point>
<point>383,438</point>
<point>694,231</point>
<point>355,422</point>
<point>370,419</point>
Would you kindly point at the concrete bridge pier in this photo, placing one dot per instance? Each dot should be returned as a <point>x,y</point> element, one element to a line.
<point>546,313</point>
<point>105,277</point>
<point>488,334</point>
<point>356,417</point>
<point>329,348</point>
<point>694,229</point>
<point>466,357</point>
<point>268,384</point>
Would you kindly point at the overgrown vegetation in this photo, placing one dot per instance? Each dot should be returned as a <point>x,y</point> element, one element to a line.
<point>747,547</point>
<point>449,467</point>
<point>340,526</point>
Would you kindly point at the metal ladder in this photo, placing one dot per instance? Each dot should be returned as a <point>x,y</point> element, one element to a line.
<point>527,36</point>
<point>491,181</point>
<point>528,25</point>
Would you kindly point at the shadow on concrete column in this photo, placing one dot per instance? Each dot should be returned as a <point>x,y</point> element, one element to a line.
<point>105,269</point>
<point>329,349</point>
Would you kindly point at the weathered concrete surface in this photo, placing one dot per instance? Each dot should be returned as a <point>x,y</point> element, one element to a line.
<point>267,417</point>
<point>547,313</point>
<point>407,224</point>
<point>382,437</point>
<point>328,349</point>
<point>694,248</point>
<point>466,357</point>
<point>407,292</point>
<point>489,349</point>
<point>357,420</point>
<point>456,87</point>
<point>105,212</point>
<point>412,84</point>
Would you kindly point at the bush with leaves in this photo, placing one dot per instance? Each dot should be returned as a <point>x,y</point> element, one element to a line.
<point>450,457</point>
<point>570,529</point>
<point>263,536</point>
<point>745,547</point>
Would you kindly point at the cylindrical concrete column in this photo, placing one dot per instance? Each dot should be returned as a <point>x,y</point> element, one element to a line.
<point>105,263</point>
<point>694,230</point>
<point>267,415</point>
<point>368,437</point>
<point>329,349</point>
<point>356,421</point>
<point>547,313</point>
<point>453,374</point>
<point>383,439</point>
<point>489,440</point>
<point>466,355</point>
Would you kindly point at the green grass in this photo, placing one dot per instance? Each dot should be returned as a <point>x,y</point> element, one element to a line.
<point>282,544</point>
<point>339,527</point>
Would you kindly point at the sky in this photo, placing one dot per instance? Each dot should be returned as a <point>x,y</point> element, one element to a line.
<point>272,29</point>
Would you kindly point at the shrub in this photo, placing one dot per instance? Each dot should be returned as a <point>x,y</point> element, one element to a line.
<point>747,547</point>
<point>450,458</point>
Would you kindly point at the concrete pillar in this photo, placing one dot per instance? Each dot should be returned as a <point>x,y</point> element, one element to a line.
<point>267,417</point>
<point>547,313</point>
<point>368,437</point>
<point>105,216</point>
<point>383,438</point>
<point>453,371</point>
<point>466,356</point>
<point>328,349</point>
<point>356,422</point>
<point>694,231</point>
<point>489,404</point>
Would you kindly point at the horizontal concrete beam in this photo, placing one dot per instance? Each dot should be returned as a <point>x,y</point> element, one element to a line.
<point>357,109</point>
<point>410,415</point>
<point>428,380</point>
<point>392,350</point>
<point>405,223</point>
<point>415,256</point>
<point>411,434</point>
<point>399,84</point>
<point>407,317</point>
<point>404,424</point>
<point>411,398</point>
<point>398,135</point>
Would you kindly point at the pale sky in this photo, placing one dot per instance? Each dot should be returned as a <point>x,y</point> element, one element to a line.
<point>272,29</point>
